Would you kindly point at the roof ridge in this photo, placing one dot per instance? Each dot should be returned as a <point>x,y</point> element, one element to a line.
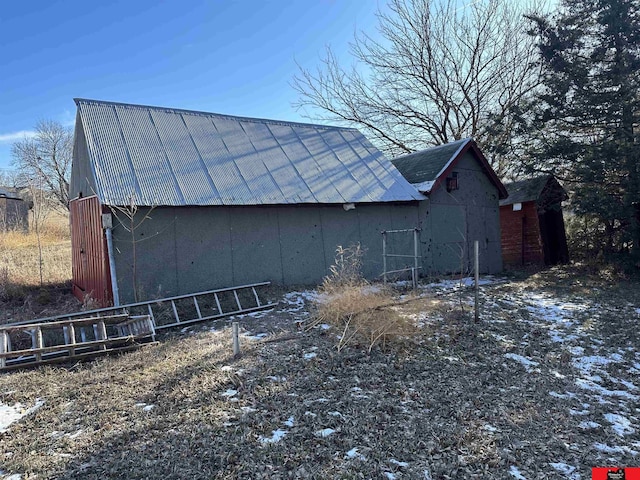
<point>462,141</point>
<point>79,101</point>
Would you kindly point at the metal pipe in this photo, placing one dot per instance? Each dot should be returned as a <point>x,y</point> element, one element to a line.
<point>384,258</point>
<point>476,267</point>
<point>112,269</point>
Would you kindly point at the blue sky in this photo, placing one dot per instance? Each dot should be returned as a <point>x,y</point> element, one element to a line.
<point>234,57</point>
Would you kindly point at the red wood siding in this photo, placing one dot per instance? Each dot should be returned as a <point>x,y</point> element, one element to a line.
<point>520,234</point>
<point>90,264</point>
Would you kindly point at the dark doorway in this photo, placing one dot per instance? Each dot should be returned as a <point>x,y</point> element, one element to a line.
<point>552,234</point>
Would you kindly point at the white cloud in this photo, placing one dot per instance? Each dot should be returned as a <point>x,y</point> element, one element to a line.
<point>15,136</point>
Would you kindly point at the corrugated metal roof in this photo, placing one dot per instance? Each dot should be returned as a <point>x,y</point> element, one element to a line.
<point>424,167</point>
<point>163,156</point>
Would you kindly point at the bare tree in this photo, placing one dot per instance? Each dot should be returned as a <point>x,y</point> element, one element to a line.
<point>436,72</point>
<point>45,158</point>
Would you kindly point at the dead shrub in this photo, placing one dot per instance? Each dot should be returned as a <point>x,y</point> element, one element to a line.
<point>363,313</point>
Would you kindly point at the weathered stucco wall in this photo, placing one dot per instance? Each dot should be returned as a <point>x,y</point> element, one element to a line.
<point>452,221</point>
<point>187,249</point>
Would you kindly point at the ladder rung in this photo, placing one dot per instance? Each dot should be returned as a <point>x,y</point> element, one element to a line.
<point>215,295</point>
<point>175,311</point>
<point>195,302</point>
<point>235,294</point>
<point>255,294</point>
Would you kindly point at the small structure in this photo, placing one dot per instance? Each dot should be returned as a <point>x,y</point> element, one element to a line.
<point>462,194</point>
<point>532,223</point>
<point>168,202</point>
<point>14,211</point>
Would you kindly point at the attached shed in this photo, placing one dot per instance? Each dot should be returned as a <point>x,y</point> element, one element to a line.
<point>462,193</point>
<point>532,223</point>
<point>195,201</point>
<point>14,211</point>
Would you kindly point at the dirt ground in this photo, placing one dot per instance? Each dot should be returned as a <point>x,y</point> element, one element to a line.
<point>545,386</point>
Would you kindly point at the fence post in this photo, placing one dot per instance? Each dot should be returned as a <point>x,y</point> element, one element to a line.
<point>415,257</point>
<point>476,267</point>
<point>236,340</point>
<point>384,257</point>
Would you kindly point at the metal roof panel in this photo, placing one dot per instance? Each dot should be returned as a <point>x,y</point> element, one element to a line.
<point>161,156</point>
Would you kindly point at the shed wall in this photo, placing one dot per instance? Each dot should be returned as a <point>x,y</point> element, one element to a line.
<point>521,240</point>
<point>452,221</point>
<point>82,178</point>
<point>186,249</point>
<point>14,214</point>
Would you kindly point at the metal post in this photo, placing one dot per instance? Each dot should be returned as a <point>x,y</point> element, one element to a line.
<point>112,268</point>
<point>236,340</point>
<point>415,259</point>
<point>476,267</point>
<point>4,343</point>
<point>384,257</point>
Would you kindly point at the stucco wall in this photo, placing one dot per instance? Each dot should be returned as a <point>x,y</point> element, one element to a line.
<point>186,249</point>
<point>452,221</point>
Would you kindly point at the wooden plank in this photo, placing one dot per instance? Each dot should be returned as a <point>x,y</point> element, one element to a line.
<point>80,356</point>
<point>3,348</point>
<point>78,322</point>
<point>72,338</point>
<point>39,344</point>
<point>78,346</point>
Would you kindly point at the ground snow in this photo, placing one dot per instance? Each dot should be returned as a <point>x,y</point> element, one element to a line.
<point>276,436</point>
<point>524,361</point>
<point>567,470</point>
<point>516,473</point>
<point>9,414</point>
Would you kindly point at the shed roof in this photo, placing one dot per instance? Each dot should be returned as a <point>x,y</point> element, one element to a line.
<point>167,156</point>
<point>426,168</point>
<point>542,188</point>
<point>6,192</point>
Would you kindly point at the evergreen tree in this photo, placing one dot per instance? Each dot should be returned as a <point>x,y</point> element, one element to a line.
<point>584,124</point>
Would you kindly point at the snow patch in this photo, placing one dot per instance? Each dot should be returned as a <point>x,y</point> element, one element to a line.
<point>325,432</point>
<point>354,454</point>
<point>9,414</point>
<point>524,361</point>
<point>516,473</point>
<point>568,470</point>
<point>621,425</point>
<point>276,436</point>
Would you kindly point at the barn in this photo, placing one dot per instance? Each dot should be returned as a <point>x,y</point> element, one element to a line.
<point>169,201</point>
<point>462,205</point>
<point>14,211</point>
<point>532,223</point>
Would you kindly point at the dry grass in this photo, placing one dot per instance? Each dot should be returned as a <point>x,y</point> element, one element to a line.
<point>22,297</point>
<point>453,408</point>
<point>364,314</point>
<point>19,257</point>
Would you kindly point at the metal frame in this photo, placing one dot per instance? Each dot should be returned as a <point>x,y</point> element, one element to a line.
<point>415,256</point>
<point>124,309</point>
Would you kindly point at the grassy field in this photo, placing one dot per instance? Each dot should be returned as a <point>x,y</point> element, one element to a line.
<point>544,387</point>
<point>22,296</point>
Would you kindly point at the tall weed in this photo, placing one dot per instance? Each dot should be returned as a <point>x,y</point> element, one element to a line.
<point>361,312</point>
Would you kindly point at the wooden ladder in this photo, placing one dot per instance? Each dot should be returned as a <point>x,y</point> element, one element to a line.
<point>71,339</point>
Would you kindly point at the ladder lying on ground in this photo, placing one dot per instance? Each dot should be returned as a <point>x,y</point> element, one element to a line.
<point>60,341</point>
<point>161,314</point>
